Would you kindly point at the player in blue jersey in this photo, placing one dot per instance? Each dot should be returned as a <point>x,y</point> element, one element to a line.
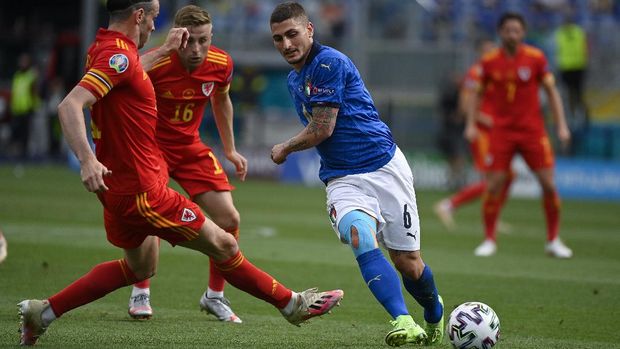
<point>370,195</point>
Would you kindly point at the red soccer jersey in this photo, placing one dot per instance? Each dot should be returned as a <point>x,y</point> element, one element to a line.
<point>513,84</point>
<point>183,95</point>
<point>125,116</point>
<point>473,81</point>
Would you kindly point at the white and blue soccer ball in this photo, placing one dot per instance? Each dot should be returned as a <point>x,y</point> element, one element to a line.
<point>473,325</point>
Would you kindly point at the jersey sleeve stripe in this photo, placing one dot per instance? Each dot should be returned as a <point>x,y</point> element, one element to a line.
<point>90,81</point>
<point>161,64</point>
<point>216,55</point>
<point>104,88</point>
<point>217,61</point>
<point>121,44</point>
<point>101,75</point>
<point>161,60</point>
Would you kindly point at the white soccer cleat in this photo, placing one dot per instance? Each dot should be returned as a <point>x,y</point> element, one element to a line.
<point>31,324</point>
<point>3,247</point>
<point>486,249</point>
<point>311,303</point>
<point>220,307</point>
<point>443,210</point>
<point>557,249</point>
<point>140,306</point>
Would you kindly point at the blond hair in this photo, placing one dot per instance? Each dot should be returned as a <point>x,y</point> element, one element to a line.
<point>191,16</point>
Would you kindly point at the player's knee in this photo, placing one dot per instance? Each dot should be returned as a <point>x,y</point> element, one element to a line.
<point>495,185</point>
<point>358,230</point>
<point>225,245</point>
<point>547,186</point>
<point>229,222</point>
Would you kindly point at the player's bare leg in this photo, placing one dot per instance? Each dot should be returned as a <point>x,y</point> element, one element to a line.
<point>220,208</point>
<point>551,204</point>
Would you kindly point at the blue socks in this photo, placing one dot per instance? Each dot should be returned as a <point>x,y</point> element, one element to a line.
<point>425,293</point>
<point>383,282</point>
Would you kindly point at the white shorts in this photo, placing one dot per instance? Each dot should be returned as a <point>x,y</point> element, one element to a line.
<point>387,194</point>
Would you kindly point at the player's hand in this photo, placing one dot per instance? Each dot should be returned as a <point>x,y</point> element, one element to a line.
<point>564,136</point>
<point>92,173</point>
<point>471,132</point>
<point>176,39</point>
<point>240,162</point>
<point>278,155</point>
<point>485,119</point>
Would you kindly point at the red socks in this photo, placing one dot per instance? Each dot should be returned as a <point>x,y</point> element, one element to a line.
<point>467,194</point>
<point>551,203</point>
<point>490,212</point>
<point>143,284</point>
<point>242,274</point>
<point>492,206</point>
<point>101,280</point>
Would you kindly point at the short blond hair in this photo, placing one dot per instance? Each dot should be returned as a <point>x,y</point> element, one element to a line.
<point>191,16</point>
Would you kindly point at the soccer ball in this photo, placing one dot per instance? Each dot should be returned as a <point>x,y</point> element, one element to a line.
<point>473,325</point>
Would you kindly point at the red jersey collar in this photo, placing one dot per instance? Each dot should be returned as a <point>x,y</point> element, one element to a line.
<point>505,53</point>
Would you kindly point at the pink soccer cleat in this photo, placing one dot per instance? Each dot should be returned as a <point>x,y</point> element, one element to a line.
<point>311,303</point>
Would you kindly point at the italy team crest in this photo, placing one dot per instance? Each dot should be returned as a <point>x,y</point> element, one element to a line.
<point>119,62</point>
<point>207,88</point>
<point>308,87</point>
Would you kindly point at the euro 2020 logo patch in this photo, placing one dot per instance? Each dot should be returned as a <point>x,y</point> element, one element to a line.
<point>119,62</point>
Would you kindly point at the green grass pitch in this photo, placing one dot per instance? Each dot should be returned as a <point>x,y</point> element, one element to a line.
<point>55,233</point>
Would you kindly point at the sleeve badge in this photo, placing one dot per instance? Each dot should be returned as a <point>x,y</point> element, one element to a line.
<point>119,62</point>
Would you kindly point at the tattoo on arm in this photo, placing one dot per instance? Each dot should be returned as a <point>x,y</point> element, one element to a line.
<point>296,145</point>
<point>322,118</point>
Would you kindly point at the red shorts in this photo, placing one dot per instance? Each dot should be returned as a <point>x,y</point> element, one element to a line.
<point>195,168</point>
<point>480,149</point>
<point>161,211</point>
<point>534,147</point>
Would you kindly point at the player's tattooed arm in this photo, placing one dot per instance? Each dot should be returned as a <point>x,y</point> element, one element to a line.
<point>320,127</point>
<point>323,121</point>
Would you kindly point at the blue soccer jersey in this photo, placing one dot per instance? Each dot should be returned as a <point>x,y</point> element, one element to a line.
<point>361,142</point>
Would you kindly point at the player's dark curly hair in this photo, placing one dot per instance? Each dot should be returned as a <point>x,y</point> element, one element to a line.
<point>121,9</point>
<point>288,10</point>
<point>507,16</point>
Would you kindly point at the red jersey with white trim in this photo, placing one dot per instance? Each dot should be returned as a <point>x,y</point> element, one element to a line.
<point>182,95</point>
<point>513,83</point>
<point>124,118</point>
